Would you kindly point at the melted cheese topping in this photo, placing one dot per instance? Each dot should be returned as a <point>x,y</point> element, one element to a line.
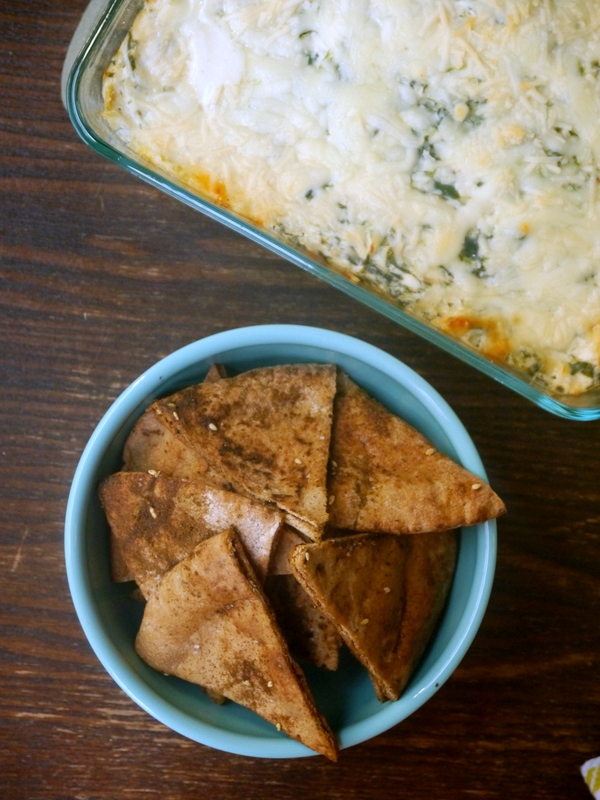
<point>443,152</point>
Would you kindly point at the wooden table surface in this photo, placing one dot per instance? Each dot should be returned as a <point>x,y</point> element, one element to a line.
<point>100,276</point>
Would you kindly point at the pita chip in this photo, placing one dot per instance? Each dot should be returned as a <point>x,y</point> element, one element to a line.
<point>429,571</point>
<point>386,477</point>
<point>119,571</point>
<point>156,521</point>
<point>151,446</point>
<point>265,433</point>
<point>384,593</point>
<point>358,581</point>
<point>208,622</point>
<point>215,373</point>
<point>309,633</point>
<point>286,541</point>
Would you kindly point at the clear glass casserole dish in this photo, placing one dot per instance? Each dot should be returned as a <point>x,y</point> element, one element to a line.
<point>97,39</point>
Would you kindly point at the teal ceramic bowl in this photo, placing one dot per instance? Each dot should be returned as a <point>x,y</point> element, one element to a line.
<point>110,618</point>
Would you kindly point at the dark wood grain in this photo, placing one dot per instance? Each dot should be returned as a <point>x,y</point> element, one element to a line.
<point>100,276</point>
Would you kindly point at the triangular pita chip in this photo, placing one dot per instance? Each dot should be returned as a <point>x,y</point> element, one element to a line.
<point>215,373</point>
<point>266,434</point>
<point>384,592</point>
<point>156,521</point>
<point>286,541</point>
<point>119,571</point>
<point>310,634</point>
<point>358,582</point>
<point>429,571</point>
<point>151,446</point>
<point>386,477</point>
<point>208,622</point>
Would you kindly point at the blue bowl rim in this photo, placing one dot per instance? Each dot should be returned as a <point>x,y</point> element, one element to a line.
<point>148,385</point>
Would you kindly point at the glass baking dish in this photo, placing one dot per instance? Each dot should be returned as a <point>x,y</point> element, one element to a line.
<point>98,36</point>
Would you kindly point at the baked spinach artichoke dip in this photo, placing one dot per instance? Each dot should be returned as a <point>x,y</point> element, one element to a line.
<point>443,153</point>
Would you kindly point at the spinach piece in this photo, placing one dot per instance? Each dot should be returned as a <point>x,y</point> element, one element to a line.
<point>470,248</point>
<point>471,255</point>
<point>446,190</point>
<point>583,367</point>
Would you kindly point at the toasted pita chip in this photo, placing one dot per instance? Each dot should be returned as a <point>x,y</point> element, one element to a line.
<point>208,622</point>
<point>358,582</point>
<point>215,373</point>
<point>308,632</point>
<point>151,446</point>
<point>429,571</point>
<point>384,593</point>
<point>310,635</point>
<point>386,477</point>
<point>266,433</point>
<point>156,521</point>
<point>119,571</point>
<point>286,541</point>
<point>216,697</point>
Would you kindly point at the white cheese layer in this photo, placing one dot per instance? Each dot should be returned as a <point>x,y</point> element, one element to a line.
<point>445,152</point>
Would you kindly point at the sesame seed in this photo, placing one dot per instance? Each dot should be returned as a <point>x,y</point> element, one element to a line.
<point>333,463</point>
<point>476,486</point>
<point>278,726</point>
<point>331,499</point>
<point>306,556</point>
<point>297,460</point>
<point>154,472</point>
<point>246,683</point>
<point>196,647</point>
<point>270,684</point>
<point>171,405</point>
<point>152,513</point>
<point>430,451</point>
<point>175,415</point>
<point>387,589</point>
<point>212,426</point>
<point>364,622</point>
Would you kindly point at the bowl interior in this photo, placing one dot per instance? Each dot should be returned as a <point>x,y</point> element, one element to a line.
<point>110,618</point>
